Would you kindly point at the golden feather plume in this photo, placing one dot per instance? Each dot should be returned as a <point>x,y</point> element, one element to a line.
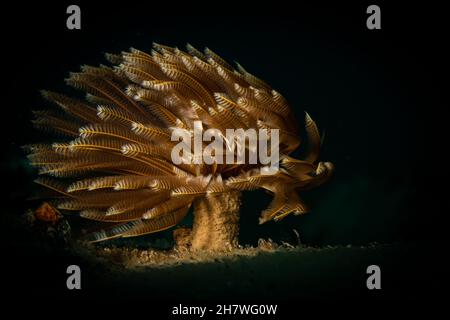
<point>119,152</point>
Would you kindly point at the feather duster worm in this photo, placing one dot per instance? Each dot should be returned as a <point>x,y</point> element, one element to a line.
<point>118,153</point>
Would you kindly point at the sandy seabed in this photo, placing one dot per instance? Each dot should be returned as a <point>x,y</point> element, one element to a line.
<point>134,257</point>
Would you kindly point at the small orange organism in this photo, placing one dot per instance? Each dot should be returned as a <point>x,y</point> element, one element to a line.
<point>47,213</point>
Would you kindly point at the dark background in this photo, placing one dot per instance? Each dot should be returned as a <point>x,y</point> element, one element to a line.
<point>378,94</point>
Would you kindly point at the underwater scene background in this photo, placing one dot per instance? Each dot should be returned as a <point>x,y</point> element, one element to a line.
<point>377,94</point>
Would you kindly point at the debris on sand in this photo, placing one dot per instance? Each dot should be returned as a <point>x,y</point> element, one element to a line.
<point>133,257</point>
